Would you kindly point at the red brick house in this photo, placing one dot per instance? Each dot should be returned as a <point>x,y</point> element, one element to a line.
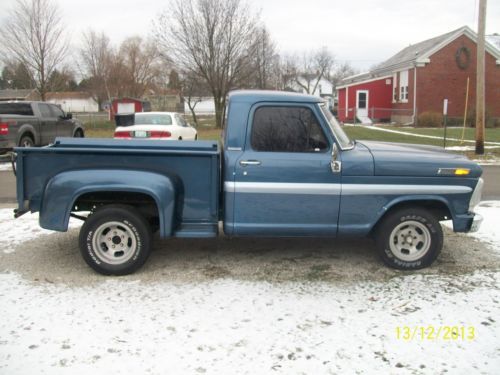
<point>418,79</point>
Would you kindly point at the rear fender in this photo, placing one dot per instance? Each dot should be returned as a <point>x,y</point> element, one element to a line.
<point>25,129</point>
<point>62,191</point>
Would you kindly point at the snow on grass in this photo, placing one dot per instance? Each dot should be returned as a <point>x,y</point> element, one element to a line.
<point>24,228</point>
<point>230,326</point>
<point>428,136</point>
<point>490,228</point>
<point>5,166</point>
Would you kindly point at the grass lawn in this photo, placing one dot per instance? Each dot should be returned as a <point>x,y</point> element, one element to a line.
<point>491,134</point>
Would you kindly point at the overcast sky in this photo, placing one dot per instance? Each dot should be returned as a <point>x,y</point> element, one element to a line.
<point>363,32</point>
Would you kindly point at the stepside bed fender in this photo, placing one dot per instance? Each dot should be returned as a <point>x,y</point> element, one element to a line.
<point>62,191</point>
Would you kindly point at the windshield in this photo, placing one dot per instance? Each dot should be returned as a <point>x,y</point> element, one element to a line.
<point>152,119</point>
<point>339,134</point>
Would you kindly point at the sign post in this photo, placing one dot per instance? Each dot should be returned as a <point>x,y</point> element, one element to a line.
<point>445,115</point>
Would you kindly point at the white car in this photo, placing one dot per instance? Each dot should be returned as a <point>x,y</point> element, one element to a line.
<point>157,125</point>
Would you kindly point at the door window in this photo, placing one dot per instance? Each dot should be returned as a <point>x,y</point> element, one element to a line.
<point>362,100</point>
<point>56,111</point>
<point>45,111</point>
<point>181,121</point>
<point>287,129</point>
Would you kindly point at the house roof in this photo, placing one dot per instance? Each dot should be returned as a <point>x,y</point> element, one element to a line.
<point>417,55</point>
<point>68,95</point>
<point>13,94</point>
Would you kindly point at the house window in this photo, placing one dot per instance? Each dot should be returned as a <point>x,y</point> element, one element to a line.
<point>394,88</point>
<point>403,86</point>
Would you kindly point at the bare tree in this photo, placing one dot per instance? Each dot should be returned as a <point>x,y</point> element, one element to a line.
<point>264,60</point>
<point>33,35</point>
<point>96,63</point>
<point>342,71</point>
<point>313,67</point>
<point>141,65</point>
<point>212,39</point>
<point>193,91</point>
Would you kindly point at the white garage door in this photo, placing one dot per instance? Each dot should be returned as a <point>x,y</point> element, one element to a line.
<point>126,108</point>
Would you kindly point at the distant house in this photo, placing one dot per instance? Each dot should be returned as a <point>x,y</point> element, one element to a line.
<point>203,105</point>
<point>19,95</point>
<point>73,101</point>
<point>418,78</point>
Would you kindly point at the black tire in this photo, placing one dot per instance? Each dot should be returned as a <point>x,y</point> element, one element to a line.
<point>78,134</point>
<point>409,239</point>
<point>196,137</point>
<point>128,230</point>
<point>26,141</point>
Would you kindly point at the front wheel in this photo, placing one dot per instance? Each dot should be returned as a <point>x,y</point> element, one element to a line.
<point>409,239</point>
<point>115,240</point>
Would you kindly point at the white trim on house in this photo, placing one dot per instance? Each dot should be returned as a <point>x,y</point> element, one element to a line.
<point>361,82</point>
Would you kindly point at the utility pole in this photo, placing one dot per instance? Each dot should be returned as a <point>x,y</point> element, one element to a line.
<point>480,112</point>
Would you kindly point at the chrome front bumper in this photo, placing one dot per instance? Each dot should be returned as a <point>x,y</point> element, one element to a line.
<point>476,223</point>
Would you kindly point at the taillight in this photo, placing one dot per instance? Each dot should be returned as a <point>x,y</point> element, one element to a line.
<point>4,128</point>
<point>159,134</point>
<point>123,134</point>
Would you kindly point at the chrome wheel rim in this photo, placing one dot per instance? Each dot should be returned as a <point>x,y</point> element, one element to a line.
<point>114,243</point>
<point>26,143</point>
<point>410,241</point>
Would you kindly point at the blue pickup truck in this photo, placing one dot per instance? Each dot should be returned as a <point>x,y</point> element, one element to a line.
<point>286,168</point>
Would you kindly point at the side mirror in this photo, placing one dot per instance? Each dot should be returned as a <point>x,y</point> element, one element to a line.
<point>69,116</point>
<point>335,163</point>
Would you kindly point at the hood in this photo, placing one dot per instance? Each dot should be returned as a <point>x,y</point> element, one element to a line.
<point>402,159</point>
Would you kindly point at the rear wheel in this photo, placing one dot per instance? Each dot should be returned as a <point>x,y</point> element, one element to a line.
<point>26,141</point>
<point>409,238</point>
<point>115,240</point>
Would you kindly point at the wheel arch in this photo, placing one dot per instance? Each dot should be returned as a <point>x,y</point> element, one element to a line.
<point>438,206</point>
<point>27,130</point>
<point>66,189</point>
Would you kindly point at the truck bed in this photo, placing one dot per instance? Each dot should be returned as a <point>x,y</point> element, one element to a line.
<point>194,165</point>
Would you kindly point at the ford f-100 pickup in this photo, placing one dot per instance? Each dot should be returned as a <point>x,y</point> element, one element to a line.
<point>286,168</point>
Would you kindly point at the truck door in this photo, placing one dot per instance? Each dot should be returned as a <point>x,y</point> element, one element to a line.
<point>283,183</point>
<point>48,124</point>
<point>64,126</point>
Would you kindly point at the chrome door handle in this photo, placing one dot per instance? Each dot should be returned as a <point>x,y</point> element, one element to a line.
<point>244,163</point>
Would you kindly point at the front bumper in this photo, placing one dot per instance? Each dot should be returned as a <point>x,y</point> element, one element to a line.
<point>467,223</point>
<point>476,223</point>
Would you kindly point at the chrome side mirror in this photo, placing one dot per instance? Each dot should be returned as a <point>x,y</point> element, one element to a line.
<point>335,163</point>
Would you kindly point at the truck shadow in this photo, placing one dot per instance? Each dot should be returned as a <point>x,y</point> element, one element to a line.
<point>55,258</point>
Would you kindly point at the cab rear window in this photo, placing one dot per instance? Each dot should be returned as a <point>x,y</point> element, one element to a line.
<point>23,109</point>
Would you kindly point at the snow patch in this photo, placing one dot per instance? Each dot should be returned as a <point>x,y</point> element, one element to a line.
<point>5,167</point>
<point>24,228</point>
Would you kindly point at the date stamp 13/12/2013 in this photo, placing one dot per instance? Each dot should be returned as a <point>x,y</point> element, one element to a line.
<point>436,333</point>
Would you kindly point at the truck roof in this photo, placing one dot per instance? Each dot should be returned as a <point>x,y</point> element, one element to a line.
<point>254,96</point>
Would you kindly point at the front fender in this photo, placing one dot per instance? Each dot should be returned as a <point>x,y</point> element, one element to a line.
<point>411,199</point>
<point>62,191</point>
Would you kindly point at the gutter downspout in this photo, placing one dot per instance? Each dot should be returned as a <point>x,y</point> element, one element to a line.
<point>414,94</point>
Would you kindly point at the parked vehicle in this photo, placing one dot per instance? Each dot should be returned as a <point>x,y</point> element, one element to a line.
<point>28,124</point>
<point>287,169</point>
<point>157,125</point>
